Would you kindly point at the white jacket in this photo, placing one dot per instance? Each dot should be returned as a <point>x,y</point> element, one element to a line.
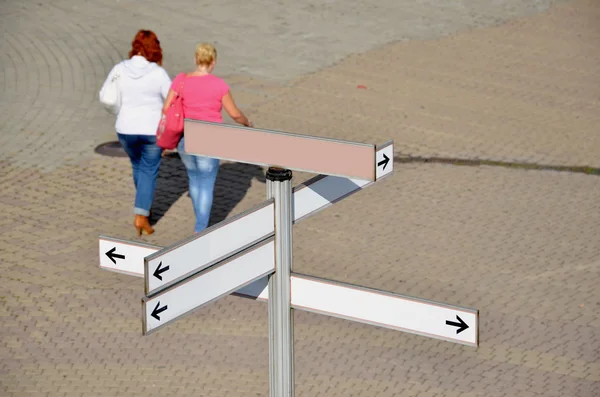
<point>143,86</point>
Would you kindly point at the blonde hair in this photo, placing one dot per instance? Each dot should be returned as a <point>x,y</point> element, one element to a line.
<point>205,54</point>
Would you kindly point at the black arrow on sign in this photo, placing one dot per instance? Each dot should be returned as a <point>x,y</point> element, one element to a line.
<point>158,311</point>
<point>157,273</point>
<point>111,255</point>
<point>461,324</point>
<point>384,162</point>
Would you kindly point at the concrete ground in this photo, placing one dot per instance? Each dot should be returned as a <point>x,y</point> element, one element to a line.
<point>501,82</point>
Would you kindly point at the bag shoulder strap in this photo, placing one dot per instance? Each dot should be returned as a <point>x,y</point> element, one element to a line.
<point>179,92</point>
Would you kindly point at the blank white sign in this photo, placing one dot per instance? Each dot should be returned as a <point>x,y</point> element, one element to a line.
<point>213,244</point>
<point>403,313</point>
<point>214,282</point>
<point>312,294</point>
<point>127,256</point>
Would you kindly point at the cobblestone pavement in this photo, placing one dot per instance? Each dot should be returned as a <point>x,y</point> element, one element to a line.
<point>520,92</point>
<point>57,53</point>
<point>495,80</point>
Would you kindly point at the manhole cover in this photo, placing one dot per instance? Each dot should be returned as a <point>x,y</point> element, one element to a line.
<point>111,149</point>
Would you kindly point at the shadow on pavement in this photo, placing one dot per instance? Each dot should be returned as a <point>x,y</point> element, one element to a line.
<point>233,182</point>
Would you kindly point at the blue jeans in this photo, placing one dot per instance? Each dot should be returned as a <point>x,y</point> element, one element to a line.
<point>202,174</point>
<point>145,161</point>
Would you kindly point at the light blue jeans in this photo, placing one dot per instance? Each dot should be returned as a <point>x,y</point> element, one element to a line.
<point>202,174</point>
<point>145,161</point>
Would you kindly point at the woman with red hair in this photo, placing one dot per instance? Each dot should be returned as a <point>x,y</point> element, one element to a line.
<point>143,86</point>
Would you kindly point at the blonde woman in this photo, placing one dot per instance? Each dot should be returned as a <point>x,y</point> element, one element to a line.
<point>205,95</point>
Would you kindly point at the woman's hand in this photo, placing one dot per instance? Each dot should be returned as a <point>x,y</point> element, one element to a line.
<point>234,112</point>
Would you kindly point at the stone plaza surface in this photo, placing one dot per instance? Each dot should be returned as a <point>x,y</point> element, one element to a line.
<point>508,81</point>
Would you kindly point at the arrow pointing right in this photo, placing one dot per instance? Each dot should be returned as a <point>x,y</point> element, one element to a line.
<point>158,310</point>
<point>159,270</point>
<point>384,162</point>
<point>461,324</point>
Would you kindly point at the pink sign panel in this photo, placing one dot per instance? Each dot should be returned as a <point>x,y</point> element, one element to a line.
<point>280,149</point>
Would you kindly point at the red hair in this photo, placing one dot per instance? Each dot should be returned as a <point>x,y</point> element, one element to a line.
<point>147,45</point>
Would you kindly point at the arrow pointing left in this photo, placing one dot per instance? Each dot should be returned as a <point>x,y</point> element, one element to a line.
<point>112,255</point>
<point>158,310</point>
<point>124,256</point>
<point>159,270</point>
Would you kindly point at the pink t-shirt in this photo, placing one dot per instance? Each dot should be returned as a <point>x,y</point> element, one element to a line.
<point>202,96</point>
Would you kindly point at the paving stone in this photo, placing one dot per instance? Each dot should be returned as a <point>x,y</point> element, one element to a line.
<point>507,80</point>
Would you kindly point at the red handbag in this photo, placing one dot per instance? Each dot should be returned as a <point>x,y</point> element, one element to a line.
<point>170,128</point>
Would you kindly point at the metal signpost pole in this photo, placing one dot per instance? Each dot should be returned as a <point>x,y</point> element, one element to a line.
<point>272,363</point>
<point>281,340</point>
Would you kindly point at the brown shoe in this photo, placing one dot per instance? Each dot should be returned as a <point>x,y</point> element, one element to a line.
<point>141,222</point>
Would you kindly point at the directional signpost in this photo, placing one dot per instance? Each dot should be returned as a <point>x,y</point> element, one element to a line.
<point>250,254</point>
<point>369,306</point>
<point>308,198</point>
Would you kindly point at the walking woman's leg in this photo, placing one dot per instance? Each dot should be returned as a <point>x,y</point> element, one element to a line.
<point>146,182</point>
<point>203,185</point>
<point>133,148</point>
<point>202,173</point>
<point>147,173</point>
<point>190,168</point>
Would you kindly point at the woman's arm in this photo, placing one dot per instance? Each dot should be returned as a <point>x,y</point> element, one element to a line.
<point>165,84</point>
<point>168,100</point>
<point>234,112</point>
<point>108,78</point>
<point>177,82</point>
